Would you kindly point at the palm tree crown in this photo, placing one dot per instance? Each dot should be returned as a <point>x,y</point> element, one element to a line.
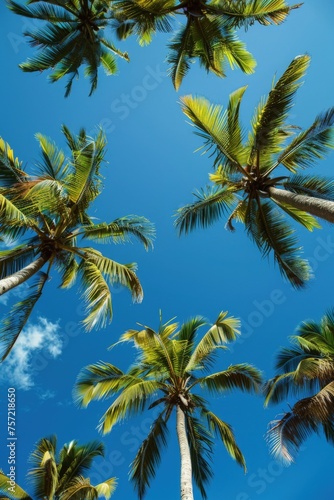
<point>306,368</point>
<point>62,476</point>
<point>171,364</point>
<point>209,31</point>
<point>245,182</point>
<point>73,35</point>
<point>51,211</point>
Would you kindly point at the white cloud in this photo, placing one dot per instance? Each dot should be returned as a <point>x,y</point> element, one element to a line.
<point>17,367</point>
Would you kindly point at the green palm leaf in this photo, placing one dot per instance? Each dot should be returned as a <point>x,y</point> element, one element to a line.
<point>271,114</point>
<point>180,50</point>
<point>13,323</point>
<point>311,144</point>
<point>107,488</point>
<point>10,167</point>
<point>19,493</point>
<point>200,444</point>
<point>313,186</point>
<point>225,432</point>
<point>148,457</point>
<point>270,232</point>
<point>121,230</point>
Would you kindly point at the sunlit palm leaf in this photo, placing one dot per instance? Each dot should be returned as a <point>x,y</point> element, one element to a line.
<point>224,431</point>
<point>212,125</point>
<point>300,216</point>
<point>107,488</point>
<point>44,474</point>
<point>121,230</point>
<point>148,457</point>
<point>181,49</point>
<point>224,330</point>
<point>11,171</point>
<point>271,115</point>
<point>242,376</point>
<point>18,494</point>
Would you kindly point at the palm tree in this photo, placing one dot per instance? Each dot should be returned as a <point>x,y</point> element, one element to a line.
<point>209,31</point>
<point>51,211</point>
<point>244,182</point>
<point>306,368</point>
<point>170,365</point>
<point>73,35</point>
<point>61,477</point>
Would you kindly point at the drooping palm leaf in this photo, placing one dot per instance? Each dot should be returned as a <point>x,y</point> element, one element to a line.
<point>14,322</point>
<point>148,457</point>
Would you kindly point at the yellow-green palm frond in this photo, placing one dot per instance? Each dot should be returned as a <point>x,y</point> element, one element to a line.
<point>121,230</point>
<point>99,381</point>
<point>304,218</point>
<point>96,294</point>
<point>18,494</point>
<point>224,330</point>
<point>181,49</point>
<point>15,258</point>
<point>107,488</point>
<point>270,117</point>
<point>13,323</point>
<point>224,431</point>
<point>243,14</point>
<point>213,125</point>
<point>44,474</point>
<point>54,162</point>
<point>242,376</point>
<point>132,400</point>
<point>11,171</point>
<point>148,457</point>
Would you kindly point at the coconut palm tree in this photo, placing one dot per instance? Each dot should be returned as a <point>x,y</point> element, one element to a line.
<point>61,476</point>
<point>172,363</point>
<point>245,182</point>
<point>50,210</point>
<point>208,33</point>
<point>306,368</point>
<point>72,36</point>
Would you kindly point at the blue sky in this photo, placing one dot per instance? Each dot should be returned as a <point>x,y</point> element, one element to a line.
<point>152,170</point>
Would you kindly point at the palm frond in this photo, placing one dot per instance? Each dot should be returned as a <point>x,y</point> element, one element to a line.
<point>181,49</point>
<point>19,494</point>
<point>224,330</point>
<point>212,125</point>
<point>15,259</point>
<point>271,114</point>
<point>211,205</point>
<point>44,474</point>
<point>200,445</point>
<point>14,322</point>
<point>311,144</point>
<point>11,171</point>
<point>225,432</point>
<point>305,219</point>
<point>242,14</point>
<point>242,376</point>
<point>121,230</point>
<point>148,457</point>
<point>107,488</point>
<point>98,381</point>
<point>270,232</point>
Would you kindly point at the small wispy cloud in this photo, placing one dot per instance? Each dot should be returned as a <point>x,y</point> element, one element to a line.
<point>18,292</point>
<point>17,367</point>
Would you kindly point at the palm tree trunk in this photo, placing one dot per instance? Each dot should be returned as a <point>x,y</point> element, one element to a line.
<point>314,206</point>
<point>23,275</point>
<point>186,470</point>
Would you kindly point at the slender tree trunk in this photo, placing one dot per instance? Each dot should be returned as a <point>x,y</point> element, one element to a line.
<point>314,206</point>
<point>186,471</point>
<point>23,275</point>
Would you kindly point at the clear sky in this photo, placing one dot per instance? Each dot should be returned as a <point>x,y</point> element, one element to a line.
<point>152,170</point>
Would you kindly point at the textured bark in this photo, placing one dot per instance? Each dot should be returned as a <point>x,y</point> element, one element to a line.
<point>186,470</point>
<point>324,209</point>
<point>21,276</point>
